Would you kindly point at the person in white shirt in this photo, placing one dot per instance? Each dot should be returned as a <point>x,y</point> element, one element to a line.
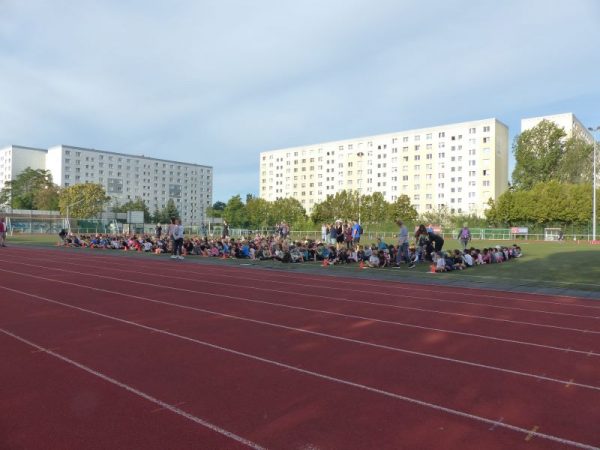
<point>177,233</point>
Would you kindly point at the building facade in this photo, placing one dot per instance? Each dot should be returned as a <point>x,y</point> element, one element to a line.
<point>14,159</point>
<point>568,121</point>
<point>125,177</point>
<point>459,166</point>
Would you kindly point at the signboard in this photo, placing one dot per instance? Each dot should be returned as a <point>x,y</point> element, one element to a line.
<point>519,230</point>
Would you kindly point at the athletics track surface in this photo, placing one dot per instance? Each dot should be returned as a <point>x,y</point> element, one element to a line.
<point>105,352</point>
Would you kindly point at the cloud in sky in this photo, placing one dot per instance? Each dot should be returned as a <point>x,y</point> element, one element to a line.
<point>218,82</point>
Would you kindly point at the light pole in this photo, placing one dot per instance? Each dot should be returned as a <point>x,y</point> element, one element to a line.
<point>594,130</point>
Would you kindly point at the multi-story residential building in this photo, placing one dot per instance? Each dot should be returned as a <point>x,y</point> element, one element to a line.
<point>15,158</point>
<point>568,121</point>
<point>459,166</point>
<point>125,177</point>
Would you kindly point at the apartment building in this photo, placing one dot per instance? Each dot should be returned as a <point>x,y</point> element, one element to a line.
<point>14,159</point>
<point>568,121</point>
<point>459,166</point>
<point>124,176</point>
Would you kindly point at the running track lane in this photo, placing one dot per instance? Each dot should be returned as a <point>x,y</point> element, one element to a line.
<point>119,259</point>
<point>433,381</point>
<point>279,408</point>
<point>581,367</point>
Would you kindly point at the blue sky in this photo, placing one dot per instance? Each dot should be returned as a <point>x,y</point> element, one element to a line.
<point>218,82</point>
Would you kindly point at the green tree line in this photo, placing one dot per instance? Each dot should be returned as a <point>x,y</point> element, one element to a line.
<point>552,180</point>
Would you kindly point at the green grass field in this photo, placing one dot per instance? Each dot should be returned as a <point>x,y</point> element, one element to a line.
<point>558,266</point>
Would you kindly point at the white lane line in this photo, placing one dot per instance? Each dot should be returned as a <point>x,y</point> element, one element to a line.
<point>160,403</point>
<point>498,422</point>
<point>341,299</point>
<point>349,282</point>
<point>435,311</point>
<point>335,314</point>
<point>436,407</point>
<point>317,333</point>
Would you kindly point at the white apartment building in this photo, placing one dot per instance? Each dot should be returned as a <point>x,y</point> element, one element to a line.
<point>568,121</point>
<point>459,166</point>
<point>125,177</point>
<point>14,159</point>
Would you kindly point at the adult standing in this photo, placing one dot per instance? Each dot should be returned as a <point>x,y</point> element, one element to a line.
<point>403,245</point>
<point>324,232</point>
<point>158,231</point>
<point>225,230</point>
<point>356,232</point>
<point>2,232</point>
<point>464,236</point>
<point>177,239</point>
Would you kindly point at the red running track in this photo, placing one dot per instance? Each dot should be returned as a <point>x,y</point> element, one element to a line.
<point>121,352</point>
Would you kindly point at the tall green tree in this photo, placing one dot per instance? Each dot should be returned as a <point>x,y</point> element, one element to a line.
<point>289,210</point>
<point>341,205</point>
<point>402,209</point>
<point>374,208</point>
<point>538,152</point>
<point>83,200</point>
<point>576,162</point>
<point>259,213</point>
<point>235,212</point>
<point>31,189</point>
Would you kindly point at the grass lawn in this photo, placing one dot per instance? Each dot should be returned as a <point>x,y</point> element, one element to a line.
<point>545,265</point>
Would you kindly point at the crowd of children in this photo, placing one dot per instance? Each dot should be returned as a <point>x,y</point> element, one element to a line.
<point>275,247</point>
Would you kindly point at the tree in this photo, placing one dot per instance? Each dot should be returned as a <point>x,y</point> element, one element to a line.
<point>547,202</point>
<point>402,209</point>
<point>135,205</point>
<point>216,210</point>
<point>258,213</point>
<point>235,212</point>
<point>342,205</point>
<point>538,152</point>
<point>441,216</point>
<point>289,210</point>
<point>576,162</point>
<point>83,200</point>
<point>47,199</point>
<point>31,189</point>
<point>374,208</point>
<point>168,212</point>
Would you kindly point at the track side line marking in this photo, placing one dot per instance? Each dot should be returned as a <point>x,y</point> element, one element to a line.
<point>387,294</point>
<point>470,316</point>
<point>317,333</point>
<point>160,403</point>
<point>333,379</point>
<point>348,316</point>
